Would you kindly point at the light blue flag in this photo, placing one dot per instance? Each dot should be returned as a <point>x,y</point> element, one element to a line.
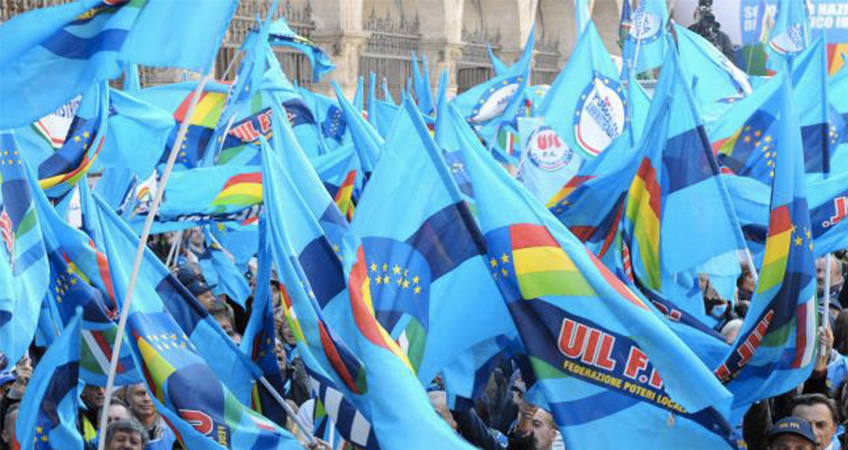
<point>582,16</point>
<point>366,140</point>
<point>53,54</point>
<point>677,192</point>
<point>387,94</point>
<point>192,368</point>
<point>24,271</point>
<point>184,34</point>
<point>430,264</point>
<point>790,34</point>
<point>372,99</point>
<point>498,66</point>
<point>645,45</point>
<point>80,278</point>
<point>828,211</point>
<point>220,271</point>
<point>386,112</point>
<point>136,134</point>
<point>500,132</point>
<point>605,364</point>
<point>49,408</point>
<point>342,176</point>
<point>282,35</point>
<point>709,74</point>
<point>361,360</point>
<point>777,345</point>
<point>359,95</point>
<point>328,118</point>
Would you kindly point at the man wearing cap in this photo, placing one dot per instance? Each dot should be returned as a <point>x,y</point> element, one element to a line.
<point>820,412</point>
<point>198,288</point>
<point>791,433</point>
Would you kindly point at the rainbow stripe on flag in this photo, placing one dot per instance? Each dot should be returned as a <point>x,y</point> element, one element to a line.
<point>542,268</point>
<point>561,198</point>
<point>776,256</point>
<point>241,189</point>
<point>344,196</point>
<point>644,210</point>
<point>208,109</point>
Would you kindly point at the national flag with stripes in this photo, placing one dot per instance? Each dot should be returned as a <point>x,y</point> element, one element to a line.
<point>775,348</point>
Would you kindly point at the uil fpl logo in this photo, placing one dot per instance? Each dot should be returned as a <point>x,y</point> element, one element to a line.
<point>840,207</point>
<point>546,151</point>
<point>791,41</point>
<point>494,101</point>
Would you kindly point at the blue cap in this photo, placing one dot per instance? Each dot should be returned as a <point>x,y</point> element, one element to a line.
<point>792,425</point>
<point>7,377</point>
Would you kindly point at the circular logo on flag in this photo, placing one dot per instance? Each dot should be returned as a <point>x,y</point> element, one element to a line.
<point>646,26</point>
<point>547,151</point>
<point>790,41</point>
<point>495,100</point>
<point>600,115</point>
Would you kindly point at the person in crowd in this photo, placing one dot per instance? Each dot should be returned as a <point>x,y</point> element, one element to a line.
<point>745,285</point>
<point>118,411</point>
<point>731,330</point>
<point>14,391</point>
<point>7,436</point>
<point>836,278</point>
<point>195,284</point>
<point>707,26</point>
<point>93,398</point>
<point>159,434</point>
<point>821,413</point>
<point>126,435</point>
<point>791,433</point>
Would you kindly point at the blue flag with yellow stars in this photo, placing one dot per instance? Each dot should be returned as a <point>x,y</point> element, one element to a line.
<point>604,363</point>
<point>777,344</point>
<point>427,268</point>
<point>343,343</point>
<point>47,418</point>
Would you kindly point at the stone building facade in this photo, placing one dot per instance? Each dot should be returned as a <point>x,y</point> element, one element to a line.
<point>363,36</point>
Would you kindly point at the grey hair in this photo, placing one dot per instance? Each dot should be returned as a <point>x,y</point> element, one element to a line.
<point>127,426</point>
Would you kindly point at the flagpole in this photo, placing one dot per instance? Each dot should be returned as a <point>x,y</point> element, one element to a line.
<point>175,249</point>
<point>295,418</point>
<point>139,256</point>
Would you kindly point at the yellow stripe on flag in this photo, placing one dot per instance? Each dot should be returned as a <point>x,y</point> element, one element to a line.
<point>541,259</point>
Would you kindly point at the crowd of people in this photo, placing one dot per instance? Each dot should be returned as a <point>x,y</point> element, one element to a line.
<point>809,417</point>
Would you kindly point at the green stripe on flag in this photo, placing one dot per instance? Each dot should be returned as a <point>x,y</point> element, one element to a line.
<point>559,282</point>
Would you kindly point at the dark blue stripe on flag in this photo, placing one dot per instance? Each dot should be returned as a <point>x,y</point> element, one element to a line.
<point>179,302</point>
<point>447,239</point>
<point>67,45</point>
<point>29,257</point>
<point>324,269</point>
<point>591,408</point>
<point>64,378</point>
<point>688,159</point>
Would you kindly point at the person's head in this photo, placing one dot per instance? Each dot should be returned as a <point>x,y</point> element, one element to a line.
<point>8,434</point>
<point>439,400</point>
<point>118,411</point>
<point>836,279</point>
<point>745,284</point>
<point>716,306</point>
<point>139,403</point>
<point>93,396</point>
<point>791,433</point>
<point>226,319</point>
<point>820,412</point>
<point>126,435</point>
<point>544,430</point>
<point>731,329</point>
<point>286,333</point>
<point>195,284</point>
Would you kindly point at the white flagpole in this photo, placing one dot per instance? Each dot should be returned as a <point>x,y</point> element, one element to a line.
<point>139,256</point>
